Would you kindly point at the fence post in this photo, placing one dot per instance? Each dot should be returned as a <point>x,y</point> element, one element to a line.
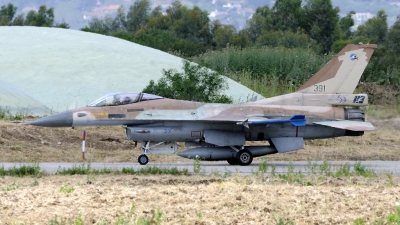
<point>83,144</point>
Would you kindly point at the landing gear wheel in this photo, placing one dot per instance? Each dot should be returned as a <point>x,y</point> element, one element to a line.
<point>143,159</point>
<point>232,162</point>
<point>244,157</point>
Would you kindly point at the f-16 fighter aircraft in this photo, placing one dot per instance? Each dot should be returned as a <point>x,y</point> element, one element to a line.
<point>324,107</point>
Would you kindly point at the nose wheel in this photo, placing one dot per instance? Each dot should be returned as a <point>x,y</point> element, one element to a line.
<point>143,159</point>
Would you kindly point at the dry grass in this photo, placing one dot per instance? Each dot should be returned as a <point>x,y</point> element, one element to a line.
<point>196,199</point>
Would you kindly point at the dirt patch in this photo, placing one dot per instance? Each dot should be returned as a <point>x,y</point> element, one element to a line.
<point>195,200</point>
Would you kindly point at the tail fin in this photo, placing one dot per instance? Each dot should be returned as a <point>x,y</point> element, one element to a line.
<point>342,74</point>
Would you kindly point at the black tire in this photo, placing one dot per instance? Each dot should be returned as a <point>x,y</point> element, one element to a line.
<point>143,159</point>
<point>244,157</point>
<point>232,161</point>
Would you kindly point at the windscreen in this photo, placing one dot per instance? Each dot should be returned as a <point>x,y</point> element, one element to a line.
<point>123,98</point>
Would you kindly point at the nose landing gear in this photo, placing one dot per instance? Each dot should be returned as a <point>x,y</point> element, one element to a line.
<point>143,159</point>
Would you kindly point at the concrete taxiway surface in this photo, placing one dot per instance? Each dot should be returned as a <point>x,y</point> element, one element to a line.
<point>220,167</point>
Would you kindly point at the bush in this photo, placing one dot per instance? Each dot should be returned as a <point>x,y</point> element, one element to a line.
<point>22,171</point>
<point>155,171</point>
<point>288,66</point>
<point>82,170</point>
<point>395,217</point>
<point>195,84</point>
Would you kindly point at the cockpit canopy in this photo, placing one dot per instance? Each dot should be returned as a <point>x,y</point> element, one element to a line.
<point>123,98</point>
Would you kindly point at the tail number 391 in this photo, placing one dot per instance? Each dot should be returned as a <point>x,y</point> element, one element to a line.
<point>319,88</point>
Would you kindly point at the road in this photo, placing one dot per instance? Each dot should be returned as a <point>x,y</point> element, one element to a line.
<point>222,168</point>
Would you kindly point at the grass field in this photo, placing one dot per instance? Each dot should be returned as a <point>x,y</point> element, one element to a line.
<point>167,199</point>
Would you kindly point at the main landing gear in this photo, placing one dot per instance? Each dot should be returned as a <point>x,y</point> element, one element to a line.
<point>232,161</point>
<point>243,158</point>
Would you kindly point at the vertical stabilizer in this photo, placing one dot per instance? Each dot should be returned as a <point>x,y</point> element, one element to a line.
<point>342,74</point>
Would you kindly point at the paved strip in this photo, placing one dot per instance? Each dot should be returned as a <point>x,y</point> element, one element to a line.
<point>222,168</point>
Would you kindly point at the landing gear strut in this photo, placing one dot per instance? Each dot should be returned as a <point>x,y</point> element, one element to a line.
<point>151,147</point>
<point>143,159</point>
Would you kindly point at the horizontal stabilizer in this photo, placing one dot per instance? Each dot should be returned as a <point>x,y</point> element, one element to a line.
<point>348,125</point>
<point>296,120</point>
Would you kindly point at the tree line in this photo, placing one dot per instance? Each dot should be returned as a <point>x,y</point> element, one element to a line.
<point>309,24</point>
<point>306,24</point>
<point>44,17</point>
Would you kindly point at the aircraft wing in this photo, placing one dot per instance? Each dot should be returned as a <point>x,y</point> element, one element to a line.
<point>348,125</point>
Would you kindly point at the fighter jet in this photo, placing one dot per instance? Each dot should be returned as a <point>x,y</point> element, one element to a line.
<point>324,107</point>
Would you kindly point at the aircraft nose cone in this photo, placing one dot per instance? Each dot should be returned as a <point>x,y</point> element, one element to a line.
<point>63,119</point>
